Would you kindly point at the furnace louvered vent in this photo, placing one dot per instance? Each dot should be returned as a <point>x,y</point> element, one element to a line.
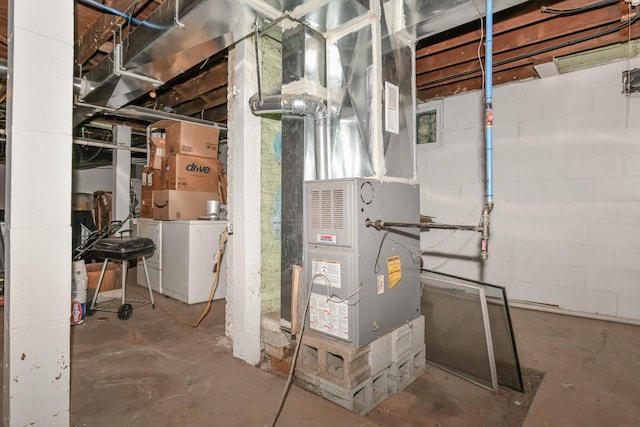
<point>328,216</point>
<point>338,209</point>
<point>316,211</point>
<point>327,213</point>
<point>327,209</point>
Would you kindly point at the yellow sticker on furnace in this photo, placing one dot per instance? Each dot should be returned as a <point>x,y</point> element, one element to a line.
<point>395,270</point>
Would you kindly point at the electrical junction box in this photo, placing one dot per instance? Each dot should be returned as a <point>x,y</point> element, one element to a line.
<point>364,284</point>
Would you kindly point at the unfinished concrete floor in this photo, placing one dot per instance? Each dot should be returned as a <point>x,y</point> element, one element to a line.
<point>153,371</point>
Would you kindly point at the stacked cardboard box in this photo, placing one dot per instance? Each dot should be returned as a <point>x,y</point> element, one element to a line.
<point>180,204</point>
<point>152,179</point>
<point>191,173</point>
<point>183,172</point>
<point>158,152</point>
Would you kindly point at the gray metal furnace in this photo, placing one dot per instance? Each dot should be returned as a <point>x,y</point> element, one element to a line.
<point>365,282</point>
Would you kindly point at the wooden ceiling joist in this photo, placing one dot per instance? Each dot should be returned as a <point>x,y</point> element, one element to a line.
<point>211,79</point>
<point>531,54</point>
<point>101,30</point>
<point>475,83</point>
<point>534,35</point>
<point>520,16</point>
<point>205,101</point>
<point>523,37</point>
<point>216,114</point>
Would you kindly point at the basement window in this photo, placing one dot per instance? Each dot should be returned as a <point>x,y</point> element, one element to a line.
<point>429,125</point>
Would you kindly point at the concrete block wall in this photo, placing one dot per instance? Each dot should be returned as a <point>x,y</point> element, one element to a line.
<point>566,224</point>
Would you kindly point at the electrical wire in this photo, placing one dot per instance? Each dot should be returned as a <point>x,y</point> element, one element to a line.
<point>331,297</point>
<point>287,385</point>
<point>415,254</point>
<point>214,286</point>
<point>480,42</point>
<point>344,300</point>
<point>92,158</point>
<point>540,51</point>
<point>133,10</point>
<point>376,266</point>
<point>576,10</point>
<point>258,62</point>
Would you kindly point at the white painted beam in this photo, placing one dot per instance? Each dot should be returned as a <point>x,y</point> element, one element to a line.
<point>121,174</point>
<point>244,208</point>
<point>38,200</point>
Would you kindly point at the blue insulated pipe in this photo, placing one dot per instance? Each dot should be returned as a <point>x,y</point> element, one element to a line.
<point>488,102</point>
<point>488,126</point>
<point>121,14</point>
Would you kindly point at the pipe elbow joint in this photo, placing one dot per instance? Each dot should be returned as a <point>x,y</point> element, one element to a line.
<point>254,104</point>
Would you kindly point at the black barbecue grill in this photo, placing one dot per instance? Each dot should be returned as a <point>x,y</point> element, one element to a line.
<point>123,250</point>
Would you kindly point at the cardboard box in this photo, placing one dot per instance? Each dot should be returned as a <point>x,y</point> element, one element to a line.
<point>189,138</point>
<point>112,277</point>
<point>191,173</point>
<point>158,152</point>
<point>153,179</point>
<point>180,204</point>
<point>146,204</point>
<point>82,201</point>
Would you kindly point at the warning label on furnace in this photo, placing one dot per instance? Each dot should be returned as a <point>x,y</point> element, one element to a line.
<point>395,270</point>
<point>329,269</point>
<point>329,317</point>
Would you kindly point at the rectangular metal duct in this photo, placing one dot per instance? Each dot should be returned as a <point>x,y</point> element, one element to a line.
<point>179,35</point>
<point>351,86</point>
<point>420,19</point>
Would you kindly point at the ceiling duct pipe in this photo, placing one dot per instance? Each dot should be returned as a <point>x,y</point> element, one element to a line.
<point>4,71</point>
<point>300,105</point>
<point>174,38</point>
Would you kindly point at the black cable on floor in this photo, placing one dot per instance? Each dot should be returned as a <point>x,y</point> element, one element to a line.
<point>287,386</point>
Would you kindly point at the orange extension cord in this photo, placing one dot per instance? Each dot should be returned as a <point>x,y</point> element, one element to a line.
<point>214,286</point>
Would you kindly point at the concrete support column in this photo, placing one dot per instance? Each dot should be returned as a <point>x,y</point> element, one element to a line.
<point>243,302</point>
<point>38,202</point>
<point>121,174</point>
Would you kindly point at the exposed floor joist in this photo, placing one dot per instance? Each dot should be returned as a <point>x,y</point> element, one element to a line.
<point>524,36</point>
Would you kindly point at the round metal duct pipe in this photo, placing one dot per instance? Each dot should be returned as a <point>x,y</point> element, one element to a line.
<point>299,105</point>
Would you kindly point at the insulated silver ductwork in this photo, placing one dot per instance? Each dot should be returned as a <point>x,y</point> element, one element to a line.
<point>300,105</point>
<point>4,70</point>
<point>180,35</point>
